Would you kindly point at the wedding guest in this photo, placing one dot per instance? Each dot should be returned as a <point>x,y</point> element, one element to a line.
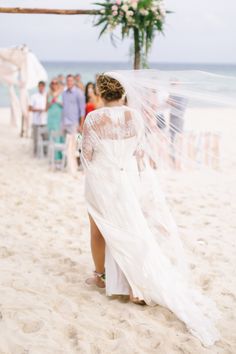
<point>73,115</point>
<point>91,98</point>
<point>54,108</point>
<point>162,97</point>
<point>178,104</point>
<point>163,146</point>
<point>37,106</point>
<point>78,82</point>
<point>62,82</point>
<point>73,106</point>
<point>99,99</point>
<point>176,122</point>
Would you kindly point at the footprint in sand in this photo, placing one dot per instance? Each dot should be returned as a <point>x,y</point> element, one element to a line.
<point>31,326</point>
<point>186,212</point>
<point>232,296</point>
<point>192,266</point>
<point>76,338</point>
<point>72,278</point>
<point>72,332</point>
<point>201,241</point>
<point>76,249</point>
<point>5,252</point>
<point>115,334</point>
<point>69,262</point>
<point>205,283</point>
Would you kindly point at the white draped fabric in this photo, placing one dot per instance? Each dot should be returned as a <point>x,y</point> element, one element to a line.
<point>143,250</point>
<point>19,67</point>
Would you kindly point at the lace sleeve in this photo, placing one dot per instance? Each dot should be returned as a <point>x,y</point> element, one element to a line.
<point>87,146</point>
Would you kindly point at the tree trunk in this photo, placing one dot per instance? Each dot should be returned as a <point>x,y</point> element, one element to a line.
<point>137,50</point>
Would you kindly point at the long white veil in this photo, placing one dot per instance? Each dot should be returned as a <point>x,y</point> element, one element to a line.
<point>180,110</point>
<point>169,121</point>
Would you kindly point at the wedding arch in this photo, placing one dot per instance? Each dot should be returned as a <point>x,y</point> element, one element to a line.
<point>139,18</point>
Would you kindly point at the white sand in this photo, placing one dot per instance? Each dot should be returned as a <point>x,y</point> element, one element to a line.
<point>45,306</point>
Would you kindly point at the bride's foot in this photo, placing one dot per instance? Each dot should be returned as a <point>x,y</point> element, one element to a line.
<point>136,300</point>
<point>98,279</point>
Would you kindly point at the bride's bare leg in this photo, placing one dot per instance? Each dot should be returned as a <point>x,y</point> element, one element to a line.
<point>98,253</point>
<point>97,247</point>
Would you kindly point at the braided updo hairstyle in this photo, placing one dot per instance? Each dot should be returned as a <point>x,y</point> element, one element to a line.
<point>110,89</point>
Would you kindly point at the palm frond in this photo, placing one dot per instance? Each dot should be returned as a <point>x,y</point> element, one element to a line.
<point>102,4</point>
<point>103,30</point>
<point>103,19</point>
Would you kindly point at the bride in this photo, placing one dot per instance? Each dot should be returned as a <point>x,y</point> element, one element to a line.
<point>134,239</point>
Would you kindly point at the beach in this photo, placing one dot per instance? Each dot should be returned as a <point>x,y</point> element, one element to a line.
<point>45,305</point>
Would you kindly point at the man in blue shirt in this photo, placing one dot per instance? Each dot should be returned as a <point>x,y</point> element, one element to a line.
<point>72,120</point>
<point>73,107</point>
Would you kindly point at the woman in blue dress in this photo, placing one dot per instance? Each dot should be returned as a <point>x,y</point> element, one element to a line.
<point>54,107</point>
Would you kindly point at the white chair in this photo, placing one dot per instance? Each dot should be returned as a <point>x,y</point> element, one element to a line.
<point>55,146</point>
<point>42,141</point>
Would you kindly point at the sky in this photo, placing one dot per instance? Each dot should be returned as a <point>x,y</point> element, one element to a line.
<point>198,31</point>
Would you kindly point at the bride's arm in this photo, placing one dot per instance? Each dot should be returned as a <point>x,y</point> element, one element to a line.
<point>87,146</point>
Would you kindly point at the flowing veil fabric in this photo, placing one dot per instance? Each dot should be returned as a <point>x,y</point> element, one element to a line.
<point>120,154</point>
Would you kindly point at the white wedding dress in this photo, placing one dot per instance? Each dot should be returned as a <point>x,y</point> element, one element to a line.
<point>143,250</point>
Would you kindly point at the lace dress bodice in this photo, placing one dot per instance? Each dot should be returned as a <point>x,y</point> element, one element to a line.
<point>111,136</point>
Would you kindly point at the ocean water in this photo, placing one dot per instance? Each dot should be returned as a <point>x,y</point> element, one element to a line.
<point>88,70</point>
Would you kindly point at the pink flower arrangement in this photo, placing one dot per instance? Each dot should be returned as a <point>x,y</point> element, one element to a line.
<point>146,16</point>
<point>124,12</point>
